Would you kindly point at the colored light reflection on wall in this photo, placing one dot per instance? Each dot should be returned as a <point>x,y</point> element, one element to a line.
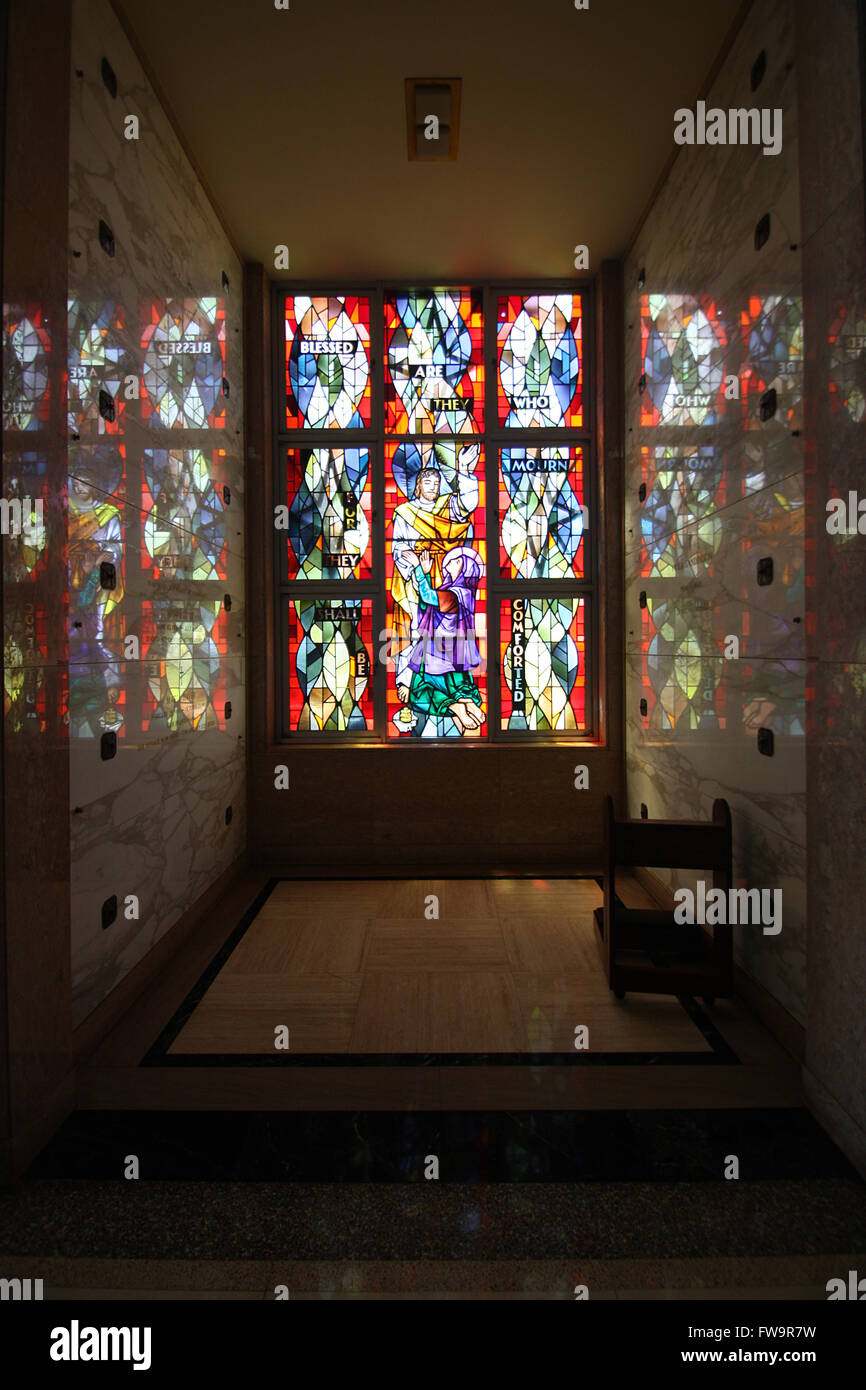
<point>847,339</point>
<point>538,347</point>
<point>772,348</point>
<point>713,509</point>
<point>331,665</point>
<point>184,524</point>
<point>183,648</point>
<point>327,362</point>
<point>436,579</point>
<point>96,525</point>
<point>26,345</point>
<point>683,347</point>
<point>160,509</point>
<point>681,529</point>
<point>183,341</point>
<point>682,665</point>
<point>543,651</point>
<point>100,359</point>
<point>25,640</point>
<point>434,363</point>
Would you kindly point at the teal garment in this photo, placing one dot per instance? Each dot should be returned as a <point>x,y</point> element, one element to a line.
<point>425,588</point>
<point>434,695</point>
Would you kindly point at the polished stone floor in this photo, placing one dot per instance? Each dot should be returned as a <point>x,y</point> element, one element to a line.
<point>404,1150</point>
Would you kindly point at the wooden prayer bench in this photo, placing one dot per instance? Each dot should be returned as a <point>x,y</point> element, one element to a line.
<point>644,949</point>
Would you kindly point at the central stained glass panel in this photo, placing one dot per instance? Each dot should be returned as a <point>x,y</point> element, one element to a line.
<point>434,362</point>
<point>436,577</point>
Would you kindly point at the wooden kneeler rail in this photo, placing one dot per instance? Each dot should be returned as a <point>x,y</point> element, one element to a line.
<point>645,950</point>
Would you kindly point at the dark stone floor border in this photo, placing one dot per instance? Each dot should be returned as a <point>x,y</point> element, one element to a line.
<point>471,1146</point>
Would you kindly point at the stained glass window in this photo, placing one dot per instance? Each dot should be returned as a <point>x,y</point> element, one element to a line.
<point>435,569</point>
<point>540,383</point>
<point>331,665</point>
<point>541,512</point>
<point>683,346</point>
<point>184,364</point>
<point>329,513</point>
<point>25,535</point>
<point>389,610</point>
<point>327,347</point>
<point>542,641</point>
<point>434,363</point>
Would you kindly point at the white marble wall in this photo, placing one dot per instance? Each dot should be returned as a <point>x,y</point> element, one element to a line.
<point>743,501</point>
<point>151,821</point>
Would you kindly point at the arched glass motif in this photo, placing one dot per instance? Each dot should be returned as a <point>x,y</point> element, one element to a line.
<point>329,513</point>
<point>330,664</point>
<point>542,642</point>
<point>434,363</point>
<point>327,362</point>
<point>539,383</point>
<point>541,512</point>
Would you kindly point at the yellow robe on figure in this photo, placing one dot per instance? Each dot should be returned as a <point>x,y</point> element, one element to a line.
<point>436,532</point>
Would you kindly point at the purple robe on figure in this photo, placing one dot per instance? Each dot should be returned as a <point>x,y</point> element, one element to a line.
<point>446,640</point>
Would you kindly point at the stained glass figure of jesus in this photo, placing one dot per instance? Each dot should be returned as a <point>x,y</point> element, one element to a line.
<point>432,522</point>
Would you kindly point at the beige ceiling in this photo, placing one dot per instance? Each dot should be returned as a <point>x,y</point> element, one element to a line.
<point>297,121</point>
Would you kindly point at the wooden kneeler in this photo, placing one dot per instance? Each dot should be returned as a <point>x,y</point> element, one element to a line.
<point>645,950</point>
